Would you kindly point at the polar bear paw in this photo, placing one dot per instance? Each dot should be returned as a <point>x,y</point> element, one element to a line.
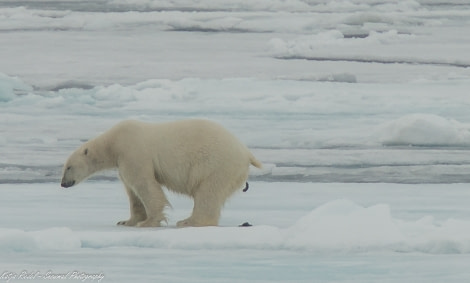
<point>190,222</point>
<point>129,222</point>
<point>149,223</point>
<point>183,223</point>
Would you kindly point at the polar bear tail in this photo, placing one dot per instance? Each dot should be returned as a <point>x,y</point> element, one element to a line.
<point>255,162</point>
<point>246,187</point>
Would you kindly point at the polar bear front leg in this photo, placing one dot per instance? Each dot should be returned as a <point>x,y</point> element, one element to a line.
<point>145,194</point>
<point>137,209</point>
<point>154,201</point>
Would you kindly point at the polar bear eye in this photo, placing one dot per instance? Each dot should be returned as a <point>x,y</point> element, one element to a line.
<point>70,167</point>
<point>86,151</point>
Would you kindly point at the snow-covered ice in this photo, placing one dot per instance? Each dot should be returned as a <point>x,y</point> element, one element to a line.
<point>369,232</point>
<point>358,110</point>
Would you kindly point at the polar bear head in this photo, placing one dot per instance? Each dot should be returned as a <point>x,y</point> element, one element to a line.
<point>78,167</point>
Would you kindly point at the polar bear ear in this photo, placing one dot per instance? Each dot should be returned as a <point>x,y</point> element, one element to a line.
<point>86,151</point>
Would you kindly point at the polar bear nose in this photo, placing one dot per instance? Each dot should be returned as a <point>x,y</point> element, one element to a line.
<point>67,184</point>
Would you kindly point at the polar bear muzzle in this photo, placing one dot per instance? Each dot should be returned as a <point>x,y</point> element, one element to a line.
<point>67,184</point>
<point>67,180</point>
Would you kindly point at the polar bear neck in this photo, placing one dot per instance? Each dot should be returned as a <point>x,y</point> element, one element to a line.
<point>103,154</point>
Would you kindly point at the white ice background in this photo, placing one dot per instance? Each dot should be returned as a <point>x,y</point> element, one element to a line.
<point>357,109</point>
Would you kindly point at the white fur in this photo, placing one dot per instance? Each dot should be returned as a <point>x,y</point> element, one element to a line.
<point>198,158</point>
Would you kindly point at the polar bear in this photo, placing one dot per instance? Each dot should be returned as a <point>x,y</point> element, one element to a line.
<point>198,158</point>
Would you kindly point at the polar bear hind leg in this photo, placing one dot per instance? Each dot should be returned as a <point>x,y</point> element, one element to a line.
<point>209,200</point>
<point>206,211</point>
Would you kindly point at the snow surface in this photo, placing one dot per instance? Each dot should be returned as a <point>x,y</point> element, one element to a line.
<point>308,232</point>
<point>358,110</point>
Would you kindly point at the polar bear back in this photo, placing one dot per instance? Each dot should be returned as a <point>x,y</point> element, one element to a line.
<point>185,153</point>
